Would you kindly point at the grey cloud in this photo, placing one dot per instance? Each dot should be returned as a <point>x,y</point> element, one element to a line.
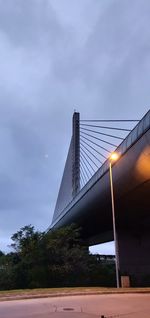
<point>115,56</point>
<point>53,58</point>
<point>29,22</point>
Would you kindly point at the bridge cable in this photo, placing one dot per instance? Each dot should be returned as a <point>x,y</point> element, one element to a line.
<point>84,161</point>
<point>109,143</point>
<point>100,133</point>
<point>82,182</point>
<point>90,158</point>
<point>86,177</point>
<point>112,128</point>
<point>90,152</point>
<point>83,156</point>
<point>109,120</point>
<point>95,145</point>
<point>85,171</point>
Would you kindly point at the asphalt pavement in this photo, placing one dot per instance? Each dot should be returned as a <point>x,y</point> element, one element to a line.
<point>89,306</point>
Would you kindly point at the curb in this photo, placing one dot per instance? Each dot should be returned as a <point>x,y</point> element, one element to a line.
<point>36,296</point>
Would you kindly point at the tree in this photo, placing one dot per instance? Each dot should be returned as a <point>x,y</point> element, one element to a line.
<point>66,256</point>
<point>56,258</point>
<point>27,244</point>
<point>1,253</point>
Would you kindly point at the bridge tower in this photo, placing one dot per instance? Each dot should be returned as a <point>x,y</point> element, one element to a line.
<point>75,154</point>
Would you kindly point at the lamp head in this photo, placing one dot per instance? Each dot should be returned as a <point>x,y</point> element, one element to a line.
<point>114,156</point>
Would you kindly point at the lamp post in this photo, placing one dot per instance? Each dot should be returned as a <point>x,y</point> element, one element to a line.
<point>113,157</point>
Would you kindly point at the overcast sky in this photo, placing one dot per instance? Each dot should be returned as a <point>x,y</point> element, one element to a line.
<point>57,56</point>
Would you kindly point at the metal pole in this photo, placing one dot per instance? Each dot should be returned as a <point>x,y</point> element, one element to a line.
<point>114,224</point>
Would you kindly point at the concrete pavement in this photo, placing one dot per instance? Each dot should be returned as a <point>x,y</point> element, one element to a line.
<point>115,306</point>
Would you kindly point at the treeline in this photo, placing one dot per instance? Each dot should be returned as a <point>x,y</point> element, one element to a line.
<point>54,259</point>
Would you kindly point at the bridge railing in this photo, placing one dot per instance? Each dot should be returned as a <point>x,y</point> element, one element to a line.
<point>135,134</point>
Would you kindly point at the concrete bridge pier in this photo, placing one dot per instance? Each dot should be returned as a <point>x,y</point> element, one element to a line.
<point>134,256</point>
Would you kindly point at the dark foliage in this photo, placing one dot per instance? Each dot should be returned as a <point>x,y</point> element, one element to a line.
<point>54,259</point>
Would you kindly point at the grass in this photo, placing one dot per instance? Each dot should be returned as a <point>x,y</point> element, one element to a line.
<point>51,292</point>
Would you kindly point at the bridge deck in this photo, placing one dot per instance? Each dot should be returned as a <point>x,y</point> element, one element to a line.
<point>128,142</point>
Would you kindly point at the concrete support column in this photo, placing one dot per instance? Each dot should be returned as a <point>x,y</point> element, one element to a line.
<point>76,154</point>
<point>134,256</point>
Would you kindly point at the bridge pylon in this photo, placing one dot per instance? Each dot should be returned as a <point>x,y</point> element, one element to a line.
<point>76,154</point>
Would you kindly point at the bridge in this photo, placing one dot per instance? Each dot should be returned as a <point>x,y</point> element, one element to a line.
<point>84,197</point>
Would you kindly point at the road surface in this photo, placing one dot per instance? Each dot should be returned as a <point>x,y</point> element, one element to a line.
<point>114,306</point>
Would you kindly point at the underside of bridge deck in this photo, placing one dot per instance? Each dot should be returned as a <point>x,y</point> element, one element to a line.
<point>92,211</point>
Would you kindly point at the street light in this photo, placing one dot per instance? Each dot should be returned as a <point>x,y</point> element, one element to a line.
<point>113,157</point>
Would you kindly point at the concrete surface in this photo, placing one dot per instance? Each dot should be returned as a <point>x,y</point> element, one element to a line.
<point>126,306</point>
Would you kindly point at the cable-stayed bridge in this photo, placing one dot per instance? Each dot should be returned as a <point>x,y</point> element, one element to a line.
<point>84,196</point>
